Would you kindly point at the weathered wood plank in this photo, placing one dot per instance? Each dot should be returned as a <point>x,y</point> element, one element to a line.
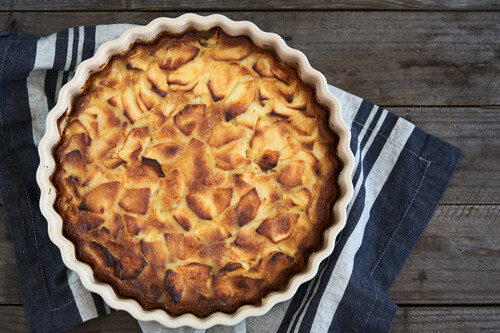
<point>443,319</point>
<point>408,319</point>
<point>13,319</point>
<point>118,322</point>
<point>476,131</point>
<point>457,260</point>
<point>389,57</point>
<point>52,5</point>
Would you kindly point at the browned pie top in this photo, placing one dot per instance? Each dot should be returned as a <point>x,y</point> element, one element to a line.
<point>195,173</point>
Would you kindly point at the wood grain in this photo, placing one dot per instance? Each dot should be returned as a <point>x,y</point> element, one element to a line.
<point>119,322</point>
<point>443,319</point>
<point>455,261</point>
<point>180,5</point>
<point>14,320</point>
<point>391,58</point>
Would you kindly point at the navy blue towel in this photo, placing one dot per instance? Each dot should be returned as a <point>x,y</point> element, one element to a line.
<point>400,175</point>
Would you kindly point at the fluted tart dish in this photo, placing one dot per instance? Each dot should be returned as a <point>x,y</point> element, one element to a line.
<point>196,173</point>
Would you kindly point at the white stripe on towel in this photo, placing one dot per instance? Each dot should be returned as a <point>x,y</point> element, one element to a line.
<point>83,298</point>
<point>343,269</point>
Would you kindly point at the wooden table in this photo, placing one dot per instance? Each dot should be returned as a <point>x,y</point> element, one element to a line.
<point>435,63</point>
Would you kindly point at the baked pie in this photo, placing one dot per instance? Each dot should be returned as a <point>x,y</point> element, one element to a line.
<point>195,173</point>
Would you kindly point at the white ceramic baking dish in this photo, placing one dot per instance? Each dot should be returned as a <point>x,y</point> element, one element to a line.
<point>265,40</point>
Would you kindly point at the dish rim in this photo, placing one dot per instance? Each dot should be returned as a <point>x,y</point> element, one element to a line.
<point>264,40</point>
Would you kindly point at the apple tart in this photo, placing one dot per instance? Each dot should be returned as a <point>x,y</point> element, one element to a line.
<point>195,173</point>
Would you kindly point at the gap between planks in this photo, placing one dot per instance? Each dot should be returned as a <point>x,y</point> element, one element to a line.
<point>261,5</point>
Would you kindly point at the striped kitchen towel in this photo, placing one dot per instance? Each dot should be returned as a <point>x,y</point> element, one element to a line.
<point>400,175</point>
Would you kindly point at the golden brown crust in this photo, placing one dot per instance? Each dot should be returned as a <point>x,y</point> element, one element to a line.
<point>196,173</point>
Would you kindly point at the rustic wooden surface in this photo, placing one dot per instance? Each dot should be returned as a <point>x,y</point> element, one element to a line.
<point>438,68</point>
<point>182,5</point>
